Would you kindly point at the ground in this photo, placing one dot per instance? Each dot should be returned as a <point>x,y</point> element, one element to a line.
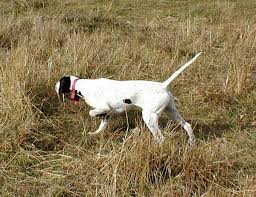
<point>43,151</point>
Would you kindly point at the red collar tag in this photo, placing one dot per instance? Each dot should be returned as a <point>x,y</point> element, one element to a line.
<point>73,92</point>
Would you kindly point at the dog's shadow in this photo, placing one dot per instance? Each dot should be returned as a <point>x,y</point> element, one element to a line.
<point>125,122</point>
<point>202,131</point>
<point>211,130</point>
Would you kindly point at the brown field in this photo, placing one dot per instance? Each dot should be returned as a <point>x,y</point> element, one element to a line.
<point>43,151</point>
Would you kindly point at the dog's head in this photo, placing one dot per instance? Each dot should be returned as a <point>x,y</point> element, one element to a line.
<point>64,85</point>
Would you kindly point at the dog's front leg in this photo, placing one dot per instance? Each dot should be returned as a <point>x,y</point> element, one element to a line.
<point>99,112</point>
<point>104,119</point>
<point>103,125</point>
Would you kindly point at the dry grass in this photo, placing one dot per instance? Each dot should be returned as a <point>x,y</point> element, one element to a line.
<point>42,149</point>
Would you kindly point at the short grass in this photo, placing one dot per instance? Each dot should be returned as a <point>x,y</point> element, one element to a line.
<point>42,149</point>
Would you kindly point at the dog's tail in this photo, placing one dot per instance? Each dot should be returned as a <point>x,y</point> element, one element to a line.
<point>176,73</point>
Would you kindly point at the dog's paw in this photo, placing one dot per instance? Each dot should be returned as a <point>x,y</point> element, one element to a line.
<point>93,133</point>
<point>192,142</point>
<point>159,139</point>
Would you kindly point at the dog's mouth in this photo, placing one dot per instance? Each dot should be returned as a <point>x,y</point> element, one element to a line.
<point>61,97</point>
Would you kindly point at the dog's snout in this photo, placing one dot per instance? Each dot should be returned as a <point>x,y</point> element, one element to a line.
<point>57,87</point>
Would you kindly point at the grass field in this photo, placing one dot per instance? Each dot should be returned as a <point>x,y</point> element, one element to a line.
<point>43,151</point>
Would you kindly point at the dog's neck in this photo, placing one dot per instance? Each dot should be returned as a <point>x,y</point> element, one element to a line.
<point>72,79</point>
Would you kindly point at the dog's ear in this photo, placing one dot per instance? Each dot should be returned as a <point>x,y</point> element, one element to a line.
<point>65,83</point>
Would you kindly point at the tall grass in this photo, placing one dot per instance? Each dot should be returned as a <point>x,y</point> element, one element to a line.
<point>43,151</point>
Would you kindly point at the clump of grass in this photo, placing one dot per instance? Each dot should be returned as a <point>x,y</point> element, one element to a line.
<point>25,5</point>
<point>42,149</point>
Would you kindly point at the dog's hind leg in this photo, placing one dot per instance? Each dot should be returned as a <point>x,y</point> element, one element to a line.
<point>151,120</point>
<point>177,117</point>
<point>103,125</point>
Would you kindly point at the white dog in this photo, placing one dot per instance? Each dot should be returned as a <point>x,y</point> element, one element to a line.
<point>108,97</point>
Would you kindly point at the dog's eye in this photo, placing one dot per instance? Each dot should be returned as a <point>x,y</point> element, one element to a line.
<point>127,101</point>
